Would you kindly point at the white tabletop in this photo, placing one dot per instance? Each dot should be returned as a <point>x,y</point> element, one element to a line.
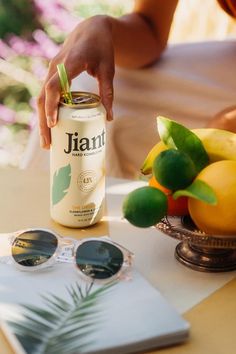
<point>24,203</point>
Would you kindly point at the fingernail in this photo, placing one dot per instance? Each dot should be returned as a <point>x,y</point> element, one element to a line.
<point>42,141</point>
<point>110,115</point>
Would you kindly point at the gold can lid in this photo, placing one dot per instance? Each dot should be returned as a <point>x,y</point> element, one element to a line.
<point>82,100</point>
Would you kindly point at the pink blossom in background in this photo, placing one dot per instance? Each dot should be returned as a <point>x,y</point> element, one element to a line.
<point>6,52</point>
<point>56,19</point>
<point>24,47</point>
<point>39,68</point>
<point>43,46</point>
<point>7,115</point>
<point>48,48</point>
<point>32,121</point>
<point>54,12</point>
<point>33,103</point>
<point>33,117</point>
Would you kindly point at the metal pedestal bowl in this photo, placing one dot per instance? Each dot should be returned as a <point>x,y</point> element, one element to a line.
<point>197,250</point>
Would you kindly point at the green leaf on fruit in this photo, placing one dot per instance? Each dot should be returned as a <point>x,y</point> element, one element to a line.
<point>176,136</point>
<point>198,190</point>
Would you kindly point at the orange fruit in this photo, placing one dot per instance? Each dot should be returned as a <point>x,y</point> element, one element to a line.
<point>176,207</point>
<point>219,218</point>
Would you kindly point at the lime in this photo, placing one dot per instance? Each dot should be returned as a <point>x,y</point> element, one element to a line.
<point>174,169</point>
<point>145,206</point>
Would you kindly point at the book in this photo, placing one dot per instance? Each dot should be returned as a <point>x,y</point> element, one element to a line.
<point>134,316</point>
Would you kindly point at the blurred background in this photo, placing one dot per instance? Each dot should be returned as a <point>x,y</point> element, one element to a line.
<point>31,32</point>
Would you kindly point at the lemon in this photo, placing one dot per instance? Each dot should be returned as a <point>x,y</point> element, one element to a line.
<point>145,206</point>
<point>153,153</point>
<point>219,218</point>
<point>174,169</point>
<point>219,145</point>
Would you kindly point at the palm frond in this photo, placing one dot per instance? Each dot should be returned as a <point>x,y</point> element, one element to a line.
<point>60,327</point>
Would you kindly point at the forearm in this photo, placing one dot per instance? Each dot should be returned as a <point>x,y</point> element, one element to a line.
<point>135,42</point>
<point>140,37</point>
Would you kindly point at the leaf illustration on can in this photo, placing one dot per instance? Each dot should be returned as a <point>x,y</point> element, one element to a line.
<point>61,183</point>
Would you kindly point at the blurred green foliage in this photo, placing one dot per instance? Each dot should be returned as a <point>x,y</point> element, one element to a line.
<point>21,93</point>
<point>94,7</point>
<point>18,17</point>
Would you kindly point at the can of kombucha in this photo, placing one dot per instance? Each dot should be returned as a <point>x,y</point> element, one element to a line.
<point>77,162</point>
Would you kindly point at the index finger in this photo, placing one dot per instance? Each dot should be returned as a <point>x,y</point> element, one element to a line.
<point>52,99</point>
<point>105,80</point>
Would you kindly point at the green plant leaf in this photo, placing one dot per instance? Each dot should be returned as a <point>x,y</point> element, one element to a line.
<point>176,136</point>
<point>54,330</point>
<point>61,183</point>
<point>64,83</point>
<point>198,190</point>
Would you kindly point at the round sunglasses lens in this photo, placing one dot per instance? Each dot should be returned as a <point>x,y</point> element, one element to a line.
<point>32,248</point>
<point>99,259</point>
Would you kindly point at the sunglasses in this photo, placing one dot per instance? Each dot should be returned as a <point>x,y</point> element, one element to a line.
<point>95,258</point>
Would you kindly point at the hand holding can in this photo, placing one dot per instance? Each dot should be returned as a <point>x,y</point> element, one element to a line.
<point>85,49</point>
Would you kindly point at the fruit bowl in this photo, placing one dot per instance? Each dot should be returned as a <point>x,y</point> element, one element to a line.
<point>197,250</point>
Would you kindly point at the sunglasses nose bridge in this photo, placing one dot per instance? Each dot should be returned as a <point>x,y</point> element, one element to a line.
<point>67,241</point>
<point>66,251</point>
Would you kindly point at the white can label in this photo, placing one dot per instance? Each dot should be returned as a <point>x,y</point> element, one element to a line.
<point>78,167</point>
